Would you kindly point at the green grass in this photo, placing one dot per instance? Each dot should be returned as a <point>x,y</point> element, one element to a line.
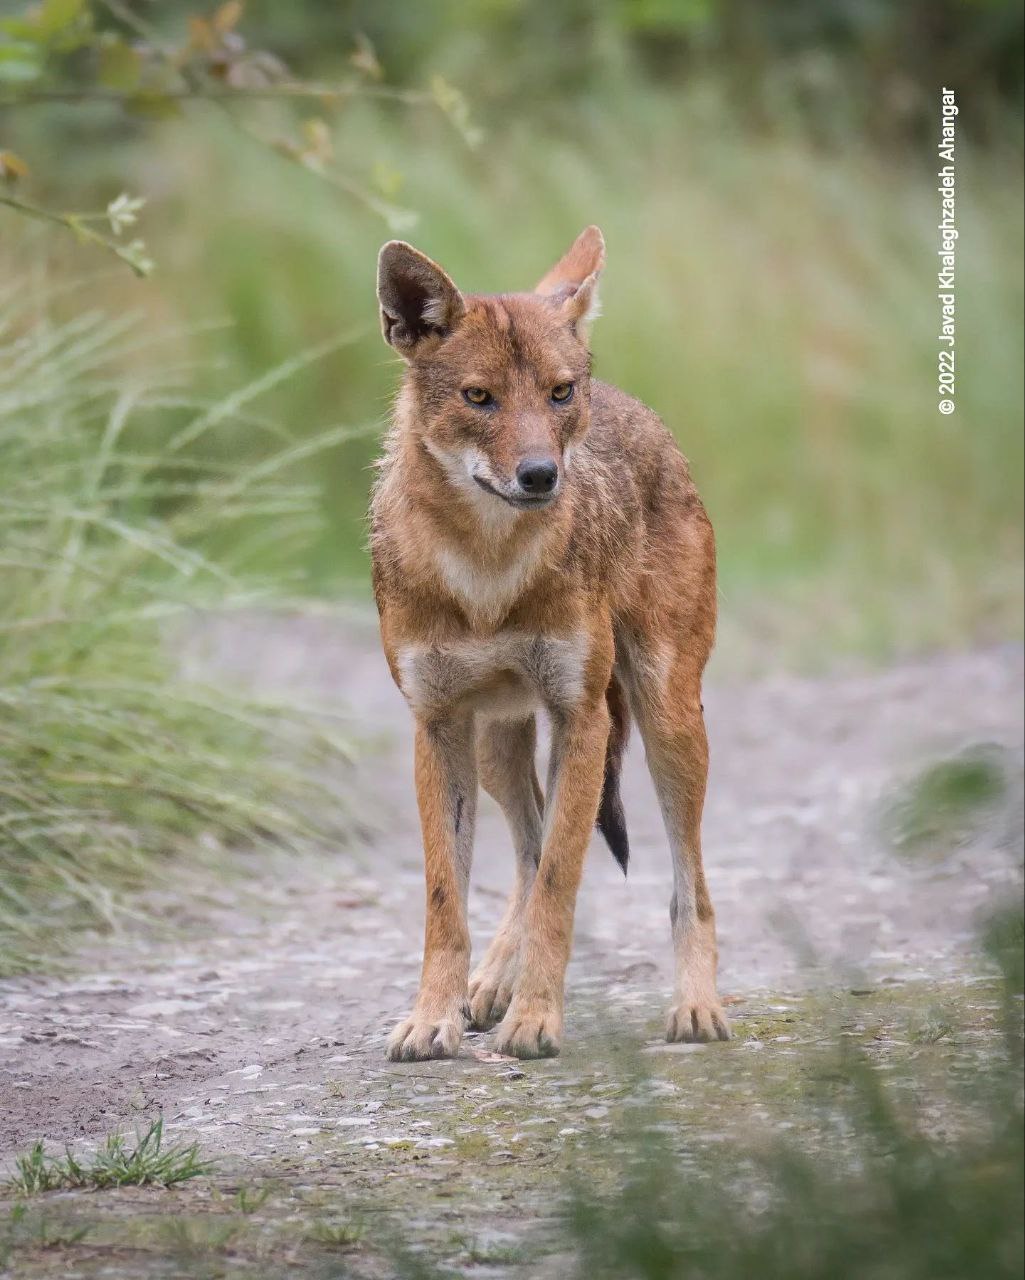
<point>111,760</point>
<point>336,1235</point>
<point>252,1199</point>
<point>116,1164</point>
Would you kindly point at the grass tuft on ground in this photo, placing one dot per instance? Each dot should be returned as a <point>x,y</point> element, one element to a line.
<point>116,1164</point>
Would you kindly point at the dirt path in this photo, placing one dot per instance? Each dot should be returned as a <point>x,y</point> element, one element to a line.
<point>259,1028</point>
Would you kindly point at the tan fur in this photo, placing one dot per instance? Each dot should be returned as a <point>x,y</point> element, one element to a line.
<point>491,609</point>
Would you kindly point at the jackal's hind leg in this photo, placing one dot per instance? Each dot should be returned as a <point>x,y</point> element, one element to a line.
<point>667,705</point>
<point>505,761</point>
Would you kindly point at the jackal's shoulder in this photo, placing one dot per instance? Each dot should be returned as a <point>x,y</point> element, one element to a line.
<point>630,437</point>
<point>616,410</point>
<point>636,509</point>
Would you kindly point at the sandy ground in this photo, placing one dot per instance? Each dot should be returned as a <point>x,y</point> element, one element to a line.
<point>308,972</point>
<point>257,1024</point>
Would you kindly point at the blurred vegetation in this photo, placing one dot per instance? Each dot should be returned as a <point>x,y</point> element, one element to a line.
<point>901,1200</point>
<point>117,56</point>
<point>885,1188</point>
<point>110,760</point>
<point>765,176</point>
<point>831,69</point>
<point>952,800</point>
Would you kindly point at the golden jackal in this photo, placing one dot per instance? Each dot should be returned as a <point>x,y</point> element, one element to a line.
<point>537,543</point>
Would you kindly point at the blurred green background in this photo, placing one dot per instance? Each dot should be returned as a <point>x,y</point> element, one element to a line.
<point>765,177</point>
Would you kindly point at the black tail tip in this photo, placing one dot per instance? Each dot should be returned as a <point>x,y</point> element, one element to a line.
<point>612,825</point>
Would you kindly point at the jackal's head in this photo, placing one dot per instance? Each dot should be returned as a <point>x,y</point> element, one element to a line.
<point>499,384</point>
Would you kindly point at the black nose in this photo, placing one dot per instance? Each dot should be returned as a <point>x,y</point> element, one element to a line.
<point>537,475</point>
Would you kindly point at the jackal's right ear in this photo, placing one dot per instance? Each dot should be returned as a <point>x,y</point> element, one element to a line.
<point>419,303</point>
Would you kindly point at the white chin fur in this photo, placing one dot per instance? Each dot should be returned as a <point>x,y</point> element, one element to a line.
<point>461,466</point>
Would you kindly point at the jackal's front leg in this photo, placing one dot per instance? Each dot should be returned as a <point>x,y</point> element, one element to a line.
<point>446,792</point>
<point>532,1026</point>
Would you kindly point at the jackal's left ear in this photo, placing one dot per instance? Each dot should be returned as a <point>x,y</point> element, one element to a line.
<point>573,282</point>
<point>419,303</point>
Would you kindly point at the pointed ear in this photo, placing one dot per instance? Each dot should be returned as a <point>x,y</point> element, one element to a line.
<point>419,303</point>
<point>573,282</point>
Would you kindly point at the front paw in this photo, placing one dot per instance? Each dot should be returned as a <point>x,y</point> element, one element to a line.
<point>530,1029</point>
<point>419,1038</point>
<point>697,1021</point>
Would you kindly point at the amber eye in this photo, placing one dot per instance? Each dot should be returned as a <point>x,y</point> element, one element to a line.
<point>563,392</point>
<point>477,396</point>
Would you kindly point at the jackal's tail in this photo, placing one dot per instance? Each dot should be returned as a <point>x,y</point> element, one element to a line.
<point>611,818</point>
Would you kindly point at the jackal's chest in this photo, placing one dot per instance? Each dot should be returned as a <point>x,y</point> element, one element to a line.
<point>503,676</point>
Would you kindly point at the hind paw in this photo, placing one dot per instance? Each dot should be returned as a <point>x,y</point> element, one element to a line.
<point>697,1022</point>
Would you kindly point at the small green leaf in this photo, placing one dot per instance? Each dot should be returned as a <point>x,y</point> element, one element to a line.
<point>120,66</point>
<point>386,179</point>
<point>317,134</point>
<point>137,257</point>
<point>56,16</point>
<point>154,105</point>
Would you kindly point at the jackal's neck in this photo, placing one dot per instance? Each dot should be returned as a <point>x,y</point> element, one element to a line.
<point>485,557</point>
